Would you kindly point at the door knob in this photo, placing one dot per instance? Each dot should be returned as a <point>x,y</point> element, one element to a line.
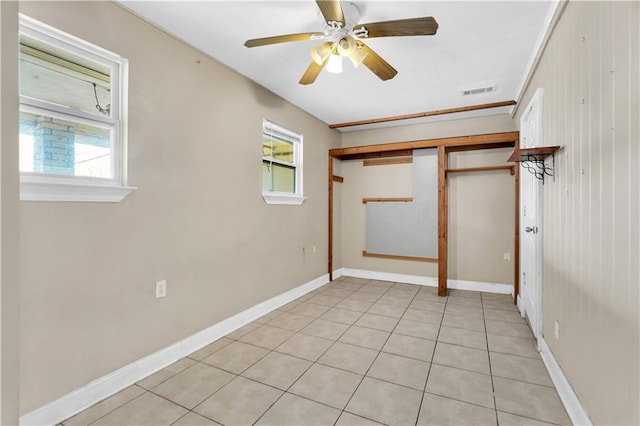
<point>533,229</point>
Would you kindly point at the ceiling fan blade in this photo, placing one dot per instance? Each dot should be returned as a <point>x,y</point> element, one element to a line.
<point>312,72</point>
<point>280,39</point>
<point>402,27</point>
<point>331,10</point>
<point>376,64</point>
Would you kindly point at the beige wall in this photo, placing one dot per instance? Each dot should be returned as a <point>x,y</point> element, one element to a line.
<point>589,73</point>
<point>9,288</point>
<point>490,193</point>
<point>197,218</point>
<point>481,218</point>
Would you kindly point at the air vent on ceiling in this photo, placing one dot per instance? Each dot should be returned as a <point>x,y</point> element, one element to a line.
<point>479,90</point>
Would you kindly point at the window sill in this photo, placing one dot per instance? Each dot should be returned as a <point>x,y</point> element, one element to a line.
<point>34,188</point>
<point>279,198</point>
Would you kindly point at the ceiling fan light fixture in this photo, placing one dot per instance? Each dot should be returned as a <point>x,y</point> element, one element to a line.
<point>343,35</point>
<point>334,65</point>
<point>346,46</point>
<point>357,57</point>
<point>321,52</point>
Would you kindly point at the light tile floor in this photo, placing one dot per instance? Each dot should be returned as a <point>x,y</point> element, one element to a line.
<point>355,352</point>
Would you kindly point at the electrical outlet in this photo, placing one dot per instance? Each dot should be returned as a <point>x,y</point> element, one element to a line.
<point>556,330</point>
<point>507,257</point>
<point>161,289</point>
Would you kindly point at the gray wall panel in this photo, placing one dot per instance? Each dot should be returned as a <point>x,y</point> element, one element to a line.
<point>408,229</point>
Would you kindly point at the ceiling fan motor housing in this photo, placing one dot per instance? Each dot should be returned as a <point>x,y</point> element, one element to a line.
<point>337,31</point>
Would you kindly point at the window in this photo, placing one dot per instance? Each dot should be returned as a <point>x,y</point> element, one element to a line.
<point>281,165</point>
<point>71,118</point>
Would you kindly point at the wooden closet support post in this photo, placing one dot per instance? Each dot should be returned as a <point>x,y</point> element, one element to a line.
<point>442,220</point>
<point>330,242</point>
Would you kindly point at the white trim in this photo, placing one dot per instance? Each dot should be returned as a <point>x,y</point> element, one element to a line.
<point>61,112</point>
<point>520,306</point>
<point>99,389</point>
<point>37,188</point>
<point>47,187</point>
<point>429,281</point>
<point>532,135</point>
<point>570,400</point>
<point>481,286</point>
<point>338,273</point>
<point>388,276</point>
<point>279,131</point>
<point>282,198</point>
<point>36,29</point>
<point>296,139</point>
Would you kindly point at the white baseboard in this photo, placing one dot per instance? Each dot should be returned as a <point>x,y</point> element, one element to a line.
<point>480,286</point>
<point>427,281</point>
<point>569,399</point>
<point>99,389</point>
<point>338,273</point>
<point>520,306</point>
<point>388,276</point>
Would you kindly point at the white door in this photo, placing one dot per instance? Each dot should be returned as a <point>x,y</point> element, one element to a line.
<point>530,297</point>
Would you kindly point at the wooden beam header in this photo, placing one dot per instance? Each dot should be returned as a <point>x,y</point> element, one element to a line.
<point>422,114</point>
<point>487,141</point>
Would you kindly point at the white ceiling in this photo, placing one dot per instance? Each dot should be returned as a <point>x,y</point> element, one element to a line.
<point>477,43</point>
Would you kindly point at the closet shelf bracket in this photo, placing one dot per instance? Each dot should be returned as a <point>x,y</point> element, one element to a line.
<point>533,160</point>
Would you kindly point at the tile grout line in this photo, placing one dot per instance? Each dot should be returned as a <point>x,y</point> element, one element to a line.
<point>424,390</point>
<point>106,414</point>
<point>350,325</point>
<point>374,360</point>
<point>376,357</point>
<point>217,390</point>
<point>254,363</point>
<point>270,351</point>
<point>183,416</point>
<point>490,374</point>
<point>176,403</point>
<point>324,338</point>
<point>312,364</point>
<point>398,319</point>
<point>493,387</point>
<point>275,350</point>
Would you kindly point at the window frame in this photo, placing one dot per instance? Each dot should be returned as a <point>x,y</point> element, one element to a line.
<point>36,186</point>
<point>285,198</point>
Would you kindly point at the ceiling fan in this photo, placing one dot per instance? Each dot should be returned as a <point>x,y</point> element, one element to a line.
<point>343,37</point>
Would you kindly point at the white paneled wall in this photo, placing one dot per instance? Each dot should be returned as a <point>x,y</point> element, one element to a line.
<point>590,74</point>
